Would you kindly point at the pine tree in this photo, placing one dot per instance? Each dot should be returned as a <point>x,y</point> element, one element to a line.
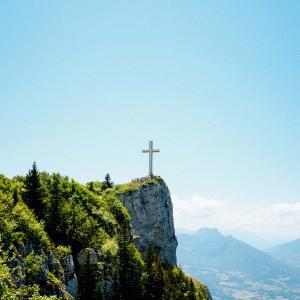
<point>56,198</point>
<point>154,286</point>
<point>16,196</point>
<point>191,289</point>
<point>34,191</point>
<point>130,271</point>
<point>91,186</point>
<point>108,183</point>
<point>87,282</point>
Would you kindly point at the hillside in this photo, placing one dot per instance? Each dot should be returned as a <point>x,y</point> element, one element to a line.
<point>63,240</point>
<point>234,270</point>
<point>287,252</point>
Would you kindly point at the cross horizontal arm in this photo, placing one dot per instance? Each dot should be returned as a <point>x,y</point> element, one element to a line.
<point>145,151</point>
<point>155,150</point>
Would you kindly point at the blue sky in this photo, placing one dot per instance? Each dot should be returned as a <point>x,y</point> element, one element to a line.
<point>215,84</point>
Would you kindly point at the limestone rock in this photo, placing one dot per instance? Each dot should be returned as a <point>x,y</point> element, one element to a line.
<point>151,211</point>
<point>72,286</point>
<point>68,266</point>
<point>70,277</point>
<point>86,257</point>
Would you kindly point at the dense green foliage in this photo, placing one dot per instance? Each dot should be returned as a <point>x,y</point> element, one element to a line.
<point>19,227</point>
<point>168,283</point>
<point>46,217</point>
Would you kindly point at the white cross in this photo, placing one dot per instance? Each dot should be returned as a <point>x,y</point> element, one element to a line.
<point>150,151</point>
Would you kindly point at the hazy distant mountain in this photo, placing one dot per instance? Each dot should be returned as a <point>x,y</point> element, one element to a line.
<point>251,238</point>
<point>288,252</point>
<point>233,269</point>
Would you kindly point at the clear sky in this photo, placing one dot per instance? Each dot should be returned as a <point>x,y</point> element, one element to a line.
<point>85,84</point>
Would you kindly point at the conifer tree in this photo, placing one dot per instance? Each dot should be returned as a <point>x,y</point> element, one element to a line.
<point>87,282</point>
<point>154,286</point>
<point>34,191</point>
<point>91,186</point>
<point>130,271</point>
<point>56,198</point>
<point>16,197</point>
<point>108,182</point>
<point>191,289</point>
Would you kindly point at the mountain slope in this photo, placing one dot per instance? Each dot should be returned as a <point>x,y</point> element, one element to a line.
<point>287,252</point>
<point>233,269</point>
<point>61,239</point>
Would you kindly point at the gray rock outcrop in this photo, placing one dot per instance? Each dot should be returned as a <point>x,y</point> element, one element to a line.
<point>46,263</point>
<point>87,257</point>
<point>90,266</point>
<point>70,277</point>
<point>151,210</point>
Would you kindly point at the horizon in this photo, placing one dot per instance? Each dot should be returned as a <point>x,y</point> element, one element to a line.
<point>85,86</point>
<point>255,241</point>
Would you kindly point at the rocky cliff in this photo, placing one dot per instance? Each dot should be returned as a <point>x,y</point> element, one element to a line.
<point>149,204</point>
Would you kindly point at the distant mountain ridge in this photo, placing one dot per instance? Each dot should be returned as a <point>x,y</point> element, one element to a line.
<point>287,252</point>
<point>233,269</point>
<point>251,238</point>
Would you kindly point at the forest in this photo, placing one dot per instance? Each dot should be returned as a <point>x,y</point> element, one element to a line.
<point>45,218</point>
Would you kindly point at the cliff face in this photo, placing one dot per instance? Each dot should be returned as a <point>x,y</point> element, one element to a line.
<point>149,203</point>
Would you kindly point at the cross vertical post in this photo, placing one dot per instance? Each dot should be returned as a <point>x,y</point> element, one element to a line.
<point>150,158</point>
<point>150,151</point>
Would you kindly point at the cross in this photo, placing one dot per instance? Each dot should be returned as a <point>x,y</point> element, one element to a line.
<point>150,151</point>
